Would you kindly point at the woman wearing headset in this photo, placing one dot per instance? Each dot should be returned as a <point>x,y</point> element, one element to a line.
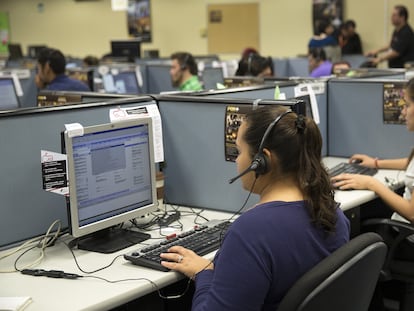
<point>295,224</point>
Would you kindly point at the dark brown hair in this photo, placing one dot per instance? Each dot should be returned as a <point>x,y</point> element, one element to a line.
<point>297,144</point>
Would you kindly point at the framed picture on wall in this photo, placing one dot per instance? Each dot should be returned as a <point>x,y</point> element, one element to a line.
<point>139,19</point>
<point>331,10</point>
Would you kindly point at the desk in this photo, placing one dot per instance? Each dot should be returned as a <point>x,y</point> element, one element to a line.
<point>94,294</point>
<point>351,200</point>
<point>89,293</point>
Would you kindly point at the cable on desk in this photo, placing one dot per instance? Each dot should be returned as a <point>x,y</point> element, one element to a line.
<point>42,242</point>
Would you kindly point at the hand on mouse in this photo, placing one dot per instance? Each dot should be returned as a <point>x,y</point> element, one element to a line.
<point>363,159</point>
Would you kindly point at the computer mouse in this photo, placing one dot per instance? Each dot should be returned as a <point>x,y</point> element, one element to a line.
<point>356,161</point>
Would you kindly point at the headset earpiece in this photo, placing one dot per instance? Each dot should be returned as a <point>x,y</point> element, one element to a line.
<point>260,164</point>
<point>185,61</point>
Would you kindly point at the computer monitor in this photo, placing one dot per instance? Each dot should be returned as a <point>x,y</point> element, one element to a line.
<point>8,96</point>
<point>211,76</point>
<point>128,49</point>
<point>124,82</point>
<point>111,181</point>
<point>34,50</point>
<point>15,51</point>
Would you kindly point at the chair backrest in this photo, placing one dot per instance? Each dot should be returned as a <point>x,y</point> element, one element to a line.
<point>343,281</point>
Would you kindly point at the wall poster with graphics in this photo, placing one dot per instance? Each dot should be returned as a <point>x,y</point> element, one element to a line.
<point>331,10</point>
<point>393,102</point>
<point>139,19</point>
<point>4,33</point>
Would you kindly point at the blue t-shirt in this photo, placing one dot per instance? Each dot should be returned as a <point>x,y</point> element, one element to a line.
<point>64,83</point>
<point>323,70</point>
<point>263,253</point>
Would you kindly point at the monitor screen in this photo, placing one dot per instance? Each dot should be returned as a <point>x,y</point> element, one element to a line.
<point>111,181</point>
<point>8,96</point>
<point>129,49</point>
<point>211,76</point>
<point>34,50</point>
<point>124,82</point>
<point>15,51</point>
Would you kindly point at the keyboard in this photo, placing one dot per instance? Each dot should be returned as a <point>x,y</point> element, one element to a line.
<point>351,168</point>
<point>203,239</point>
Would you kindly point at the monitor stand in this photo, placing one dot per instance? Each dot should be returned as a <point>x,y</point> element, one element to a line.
<point>111,240</point>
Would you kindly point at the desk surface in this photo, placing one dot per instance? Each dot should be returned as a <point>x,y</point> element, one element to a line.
<point>89,293</point>
<point>352,198</point>
<point>95,294</point>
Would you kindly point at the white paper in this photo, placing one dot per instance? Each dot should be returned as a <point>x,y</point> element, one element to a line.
<point>50,156</point>
<point>14,303</point>
<point>311,89</point>
<point>119,114</point>
<point>119,5</point>
<point>17,85</point>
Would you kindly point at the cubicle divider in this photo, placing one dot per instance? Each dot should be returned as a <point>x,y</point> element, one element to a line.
<point>356,121</point>
<point>196,171</point>
<point>267,92</point>
<point>26,209</point>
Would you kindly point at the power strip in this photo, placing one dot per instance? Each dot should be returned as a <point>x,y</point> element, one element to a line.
<point>166,221</point>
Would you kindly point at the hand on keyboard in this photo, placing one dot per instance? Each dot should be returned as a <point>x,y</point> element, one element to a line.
<point>185,261</point>
<point>348,181</point>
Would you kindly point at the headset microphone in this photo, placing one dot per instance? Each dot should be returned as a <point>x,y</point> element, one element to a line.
<point>252,167</point>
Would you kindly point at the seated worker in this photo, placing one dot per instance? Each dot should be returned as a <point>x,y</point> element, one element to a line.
<point>90,61</point>
<point>340,68</point>
<point>319,66</point>
<point>256,66</point>
<point>184,72</point>
<point>403,206</point>
<point>294,226</point>
<point>51,73</point>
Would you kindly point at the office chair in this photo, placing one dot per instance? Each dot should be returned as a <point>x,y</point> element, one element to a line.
<point>394,234</point>
<point>343,281</point>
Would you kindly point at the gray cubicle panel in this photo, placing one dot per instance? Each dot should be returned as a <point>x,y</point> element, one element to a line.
<point>196,172</point>
<point>267,92</point>
<point>29,98</point>
<point>355,121</point>
<point>26,209</point>
<point>280,67</point>
<point>158,78</point>
<point>355,60</point>
<point>298,67</point>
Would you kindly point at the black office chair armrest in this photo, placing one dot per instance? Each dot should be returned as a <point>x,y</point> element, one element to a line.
<point>393,233</point>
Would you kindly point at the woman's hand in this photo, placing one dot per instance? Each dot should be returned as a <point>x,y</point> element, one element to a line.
<point>363,160</point>
<point>185,261</point>
<point>352,181</point>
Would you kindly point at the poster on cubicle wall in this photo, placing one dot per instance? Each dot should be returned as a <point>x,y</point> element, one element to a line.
<point>393,102</point>
<point>234,117</point>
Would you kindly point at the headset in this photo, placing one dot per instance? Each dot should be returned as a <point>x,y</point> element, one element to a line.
<point>260,163</point>
<point>186,59</point>
<point>249,64</point>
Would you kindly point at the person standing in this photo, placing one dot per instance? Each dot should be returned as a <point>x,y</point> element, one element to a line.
<point>401,47</point>
<point>349,39</point>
